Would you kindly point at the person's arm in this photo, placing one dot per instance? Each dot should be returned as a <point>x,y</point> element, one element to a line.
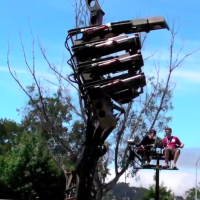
<point>182,145</point>
<point>164,143</point>
<point>179,143</point>
<point>142,141</point>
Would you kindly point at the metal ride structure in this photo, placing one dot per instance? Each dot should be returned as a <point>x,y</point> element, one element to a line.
<point>106,82</point>
<point>137,155</point>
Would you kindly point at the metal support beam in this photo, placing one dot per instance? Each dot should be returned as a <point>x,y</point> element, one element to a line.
<point>196,184</point>
<point>157,181</point>
<point>96,13</point>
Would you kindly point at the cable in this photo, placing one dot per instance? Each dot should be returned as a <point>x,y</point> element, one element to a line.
<point>71,79</point>
<point>68,48</point>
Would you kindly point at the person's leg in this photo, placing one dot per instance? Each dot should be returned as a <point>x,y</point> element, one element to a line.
<point>145,157</point>
<point>176,156</point>
<point>131,154</point>
<point>167,151</point>
<point>151,156</point>
<point>148,157</point>
<point>141,155</point>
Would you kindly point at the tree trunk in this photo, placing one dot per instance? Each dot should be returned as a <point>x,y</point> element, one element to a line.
<point>99,195</point>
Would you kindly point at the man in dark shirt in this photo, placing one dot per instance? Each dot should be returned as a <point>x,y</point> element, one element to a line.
<point>170,144</point>
<point>148,139</point>
<point>146,143</point>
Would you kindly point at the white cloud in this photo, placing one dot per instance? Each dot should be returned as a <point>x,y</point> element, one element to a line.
<point>19,71</point>
<point>178,180</point>
<point>192,76</point>
<point>46,78</point>
<point>188,72</point>
<point>180,50</point>
<point>185,80</point>
<point>181,75</point>
<point>163,56</point>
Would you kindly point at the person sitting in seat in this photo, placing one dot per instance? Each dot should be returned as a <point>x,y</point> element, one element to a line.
<point>146,143</point>
<point>148,139</point>
<point>170,144</point>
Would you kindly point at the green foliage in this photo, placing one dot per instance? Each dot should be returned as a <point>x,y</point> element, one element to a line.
<point>133,193</point>
<point>76,135</point>
<point>50,113</point>
<point>47,112</point>
<point>165,193</point>
<point>10,132</point>
<point>190,194</point>
<point>29,170</point>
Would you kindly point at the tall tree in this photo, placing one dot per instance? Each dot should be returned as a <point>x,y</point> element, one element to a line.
<point>29,171</point>
<point>190,193</point>
<point>125,192</point>
<point>10,132</point>
<point>164,192</point>
<point>52,117</point>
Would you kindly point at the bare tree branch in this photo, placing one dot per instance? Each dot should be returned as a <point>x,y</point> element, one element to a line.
<point>172,66</point>
<point>119,135</point>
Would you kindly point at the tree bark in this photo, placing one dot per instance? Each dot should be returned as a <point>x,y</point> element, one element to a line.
<point>99,194</point>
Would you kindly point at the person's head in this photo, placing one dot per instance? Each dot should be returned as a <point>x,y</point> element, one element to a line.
<point>152,133</point>
<point>168,132</point>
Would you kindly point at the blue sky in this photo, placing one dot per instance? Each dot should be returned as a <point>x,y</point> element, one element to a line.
<point>50,21</point>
